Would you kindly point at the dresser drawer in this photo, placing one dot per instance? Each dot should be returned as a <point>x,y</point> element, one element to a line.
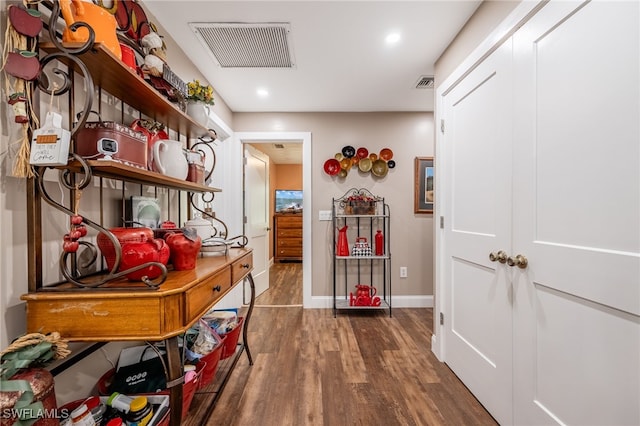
<point>289,232</point>
<point>199,298</point>
<point>289,242</point>
<point>289,251</point>
<point>289,221</point>
<point>241,267</point>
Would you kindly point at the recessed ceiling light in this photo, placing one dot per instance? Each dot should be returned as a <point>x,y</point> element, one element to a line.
<point>392,38</point>
<point>263,93</point>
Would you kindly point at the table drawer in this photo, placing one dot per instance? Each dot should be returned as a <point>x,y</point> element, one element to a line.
<point>241,267</point>
<point>199,298</point>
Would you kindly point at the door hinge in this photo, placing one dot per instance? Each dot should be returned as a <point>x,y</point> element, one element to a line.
<point>442,125</point>
<point>441,222</point>
<point>441,318</point>
<point>244,219</point>
<point>244,160</point>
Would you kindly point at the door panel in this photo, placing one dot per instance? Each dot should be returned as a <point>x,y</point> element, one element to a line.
<point>257,214</point>
<point>576,215</point>
<point>590,380</point>
<point>474,287</point>
<point>477,151</point>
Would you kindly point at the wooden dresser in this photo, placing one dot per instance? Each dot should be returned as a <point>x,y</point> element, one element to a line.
<point>288,236</point>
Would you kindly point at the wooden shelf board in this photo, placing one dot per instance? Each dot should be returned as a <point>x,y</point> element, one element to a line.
<point>118,79</point>
<point>120,171</point>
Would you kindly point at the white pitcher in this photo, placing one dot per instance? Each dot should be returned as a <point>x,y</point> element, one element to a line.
<point>169,159</point>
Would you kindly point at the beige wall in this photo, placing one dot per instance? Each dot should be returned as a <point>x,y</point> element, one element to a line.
<point>408,135</point>
<point>484,20</point>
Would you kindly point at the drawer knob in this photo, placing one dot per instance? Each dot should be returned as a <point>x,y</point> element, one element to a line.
<point>217,288</point>
<point>245,265</point>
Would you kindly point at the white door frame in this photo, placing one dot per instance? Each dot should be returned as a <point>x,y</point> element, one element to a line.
<point>505,29</point>
<point>305,139</point>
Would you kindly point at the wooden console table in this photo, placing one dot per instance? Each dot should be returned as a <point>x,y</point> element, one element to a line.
<point>142,314</point>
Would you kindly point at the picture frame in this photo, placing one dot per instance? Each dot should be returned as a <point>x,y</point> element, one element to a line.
<point>424,185</point>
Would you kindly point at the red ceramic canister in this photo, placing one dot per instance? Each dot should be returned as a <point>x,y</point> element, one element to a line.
<point>42,384</point>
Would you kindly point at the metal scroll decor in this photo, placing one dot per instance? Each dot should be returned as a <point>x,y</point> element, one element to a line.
<point>358,202</point>
<point>79,254</point>
<point>69,258</point>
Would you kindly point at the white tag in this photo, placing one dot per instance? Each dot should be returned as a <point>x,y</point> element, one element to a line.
<point>50,143</point>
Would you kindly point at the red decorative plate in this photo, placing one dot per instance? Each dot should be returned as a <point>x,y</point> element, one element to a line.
<point>332,166</point>
<point>362,152</point>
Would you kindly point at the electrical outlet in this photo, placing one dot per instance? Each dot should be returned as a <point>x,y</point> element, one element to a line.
<point>324,215</point>
<point>403,272</point>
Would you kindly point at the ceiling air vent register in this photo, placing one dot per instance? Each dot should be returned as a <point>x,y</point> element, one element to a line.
<point>247,45</point>
<point>425,82</point>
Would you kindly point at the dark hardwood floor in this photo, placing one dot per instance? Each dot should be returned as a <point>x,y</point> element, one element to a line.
<point>360,368</point>
<point>285,285</point>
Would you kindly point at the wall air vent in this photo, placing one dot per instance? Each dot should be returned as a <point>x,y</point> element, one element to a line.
<point>278,146</point>
<point>425,82</point>
<point>247,45</point>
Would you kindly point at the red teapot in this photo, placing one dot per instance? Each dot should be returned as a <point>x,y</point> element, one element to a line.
<point>365,290</point>
<point>137,253</point>
<point>185,247</point>
<point>365,295</point>
<point>140,247</point>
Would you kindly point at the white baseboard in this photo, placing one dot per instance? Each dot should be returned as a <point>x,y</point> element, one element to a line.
<point>435,347</point>
<point>326,302</point>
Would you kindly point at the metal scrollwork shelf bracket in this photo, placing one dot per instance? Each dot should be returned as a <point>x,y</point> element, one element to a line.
<point>69,179</point>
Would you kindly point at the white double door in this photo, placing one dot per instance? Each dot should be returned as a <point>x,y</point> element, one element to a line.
<point>541,158</point>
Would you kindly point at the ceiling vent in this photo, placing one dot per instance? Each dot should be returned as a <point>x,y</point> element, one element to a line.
<point>425,82</point>
<point>247,45</point>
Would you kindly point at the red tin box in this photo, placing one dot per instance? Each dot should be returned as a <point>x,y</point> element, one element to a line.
<point>113,141</point>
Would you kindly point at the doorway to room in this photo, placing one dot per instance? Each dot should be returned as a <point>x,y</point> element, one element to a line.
<point>288,279</point>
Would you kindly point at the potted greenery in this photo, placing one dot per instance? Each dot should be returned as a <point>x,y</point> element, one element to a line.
<point>199,100</point>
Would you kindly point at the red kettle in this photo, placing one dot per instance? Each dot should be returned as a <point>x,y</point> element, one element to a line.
<point>342,247</point>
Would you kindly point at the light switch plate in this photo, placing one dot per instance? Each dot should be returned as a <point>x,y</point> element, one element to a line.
<point>324,215</point>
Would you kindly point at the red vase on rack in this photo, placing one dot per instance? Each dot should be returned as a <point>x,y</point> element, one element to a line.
<point>379,243</point>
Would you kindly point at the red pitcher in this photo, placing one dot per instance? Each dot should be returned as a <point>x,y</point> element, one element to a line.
<point>342,248</point>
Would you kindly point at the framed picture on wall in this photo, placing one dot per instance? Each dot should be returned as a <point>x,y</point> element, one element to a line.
<point>423,191</point>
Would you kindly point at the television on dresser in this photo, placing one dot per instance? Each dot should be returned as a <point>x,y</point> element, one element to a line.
<point>288,200</point>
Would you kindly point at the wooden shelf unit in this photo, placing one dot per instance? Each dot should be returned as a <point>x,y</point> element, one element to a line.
<point>138,313</point>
